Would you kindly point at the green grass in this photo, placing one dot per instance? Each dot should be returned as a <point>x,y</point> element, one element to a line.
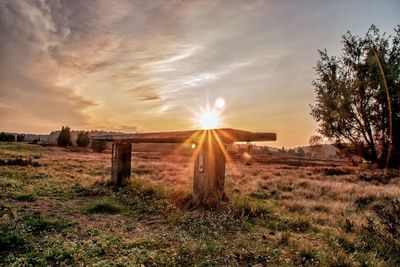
<point>104,206</point>
<point>65,213</point>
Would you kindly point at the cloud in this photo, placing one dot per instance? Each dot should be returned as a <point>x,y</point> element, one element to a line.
<point>111,64</point>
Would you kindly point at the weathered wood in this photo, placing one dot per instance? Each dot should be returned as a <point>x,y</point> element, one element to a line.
<point>209,173</point>
<point>121,163</point>
<point>225,135</point>
<point>209,167</point>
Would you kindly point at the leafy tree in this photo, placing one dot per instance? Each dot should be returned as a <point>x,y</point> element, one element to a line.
<point>83,139</point>
<point>300,152</point>
<point>358,96</point>
<point>7,137</point>
<point>64,138</point>
<point>98,146</point>
<point>20,137</point>
<point>315,144</point>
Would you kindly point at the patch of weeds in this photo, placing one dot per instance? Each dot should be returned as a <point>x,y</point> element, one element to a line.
<point>208,225</point>
<point>59,255</point>
<point>383,234</point>
<point>320,208</point>
<point>246,208</point>
<point>296,207</point>
<point>142,169</point>
<point>340,259</point>
<point>300,225</point>
<point>19,161</point>
<point>104,206</point>
<point>368,260</point>
<point>284,239</point>
<point>284,187</point>
<point>363,201</point>
<point>51,191</point>
<point>10,240</point>
<point>347,225</point>
<point>143,197</point>
<point>337,171</point>
<point>27,197</point>
<point>307,255</point>
<point>79,190</point>
<point>37,224</point>
<point>376,178</point>
<point>260,194</point>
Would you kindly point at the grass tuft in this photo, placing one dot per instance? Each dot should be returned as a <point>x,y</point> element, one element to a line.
<point>104,206</point>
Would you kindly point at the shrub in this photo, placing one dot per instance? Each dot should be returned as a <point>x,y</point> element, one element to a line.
<point>98,146</point>
<point>383,236</point>
<point>64,138</point>
<point>83,139</point>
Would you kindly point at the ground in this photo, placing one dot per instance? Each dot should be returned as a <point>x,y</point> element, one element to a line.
<point>57,208</point>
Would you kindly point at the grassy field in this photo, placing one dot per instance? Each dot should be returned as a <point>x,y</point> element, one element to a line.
<point>59,210</point>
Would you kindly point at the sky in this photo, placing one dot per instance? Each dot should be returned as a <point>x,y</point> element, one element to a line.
<point>153,65</point>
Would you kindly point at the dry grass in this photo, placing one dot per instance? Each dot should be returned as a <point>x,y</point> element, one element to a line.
<point>300,213</point>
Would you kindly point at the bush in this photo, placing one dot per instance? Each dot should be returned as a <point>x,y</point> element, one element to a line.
<point>64,138</point>
<point>83,139</point>
<point>383,236</point>
<point>98,146</point>
<point>6,137</point>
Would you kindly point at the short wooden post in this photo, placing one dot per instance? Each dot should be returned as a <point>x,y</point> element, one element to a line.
<point>209,172</point>
<point>121,163</point>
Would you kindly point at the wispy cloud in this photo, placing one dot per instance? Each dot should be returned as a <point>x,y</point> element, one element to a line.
<point>131,64</point>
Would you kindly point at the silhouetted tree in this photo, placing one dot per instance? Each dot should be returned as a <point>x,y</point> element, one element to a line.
<point>358,96</point>
<point>64,138</point>
<point>20,137</point>
<point>7,137</point>
<point>83,139</point>
<point>98,146</point>
<point>300,152</point>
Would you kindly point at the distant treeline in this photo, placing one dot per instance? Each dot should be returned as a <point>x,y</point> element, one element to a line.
<point>9,137</point>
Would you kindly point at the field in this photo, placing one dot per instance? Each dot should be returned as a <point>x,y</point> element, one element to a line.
<point>57,208</point>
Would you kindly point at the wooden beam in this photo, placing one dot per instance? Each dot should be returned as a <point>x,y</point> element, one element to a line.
<point>209,173</point>
<point>121,163</point>
<point>225,135</point>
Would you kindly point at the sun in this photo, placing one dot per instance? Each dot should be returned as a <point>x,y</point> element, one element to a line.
<point>209,120</point>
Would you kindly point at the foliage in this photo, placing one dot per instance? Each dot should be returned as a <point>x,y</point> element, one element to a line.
<point>383,235</point>
<point>98,146</point>
<point>6,137</point>
<point>351,99</point>
<point>83,139</point>
<point>20,137</point>
<point>315,144</point>
<point>64,138</point>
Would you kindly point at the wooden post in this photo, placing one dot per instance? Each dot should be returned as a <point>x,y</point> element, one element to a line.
<point>121,163</point>
<point>209,172</point>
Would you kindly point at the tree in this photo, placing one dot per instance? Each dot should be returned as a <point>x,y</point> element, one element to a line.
<point>64,138</point>
<point>98,146</point>
<point>358,96</point>
<point>300,152</point>
<point>315,144</point>
<point>20,137</point>
<point>83,139</point>
<point>7,137</point>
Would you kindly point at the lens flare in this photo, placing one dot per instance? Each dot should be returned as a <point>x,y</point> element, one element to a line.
<point>209,120</point>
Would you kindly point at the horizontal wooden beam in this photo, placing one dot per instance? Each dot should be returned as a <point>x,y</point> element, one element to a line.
<point>195,136</point>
